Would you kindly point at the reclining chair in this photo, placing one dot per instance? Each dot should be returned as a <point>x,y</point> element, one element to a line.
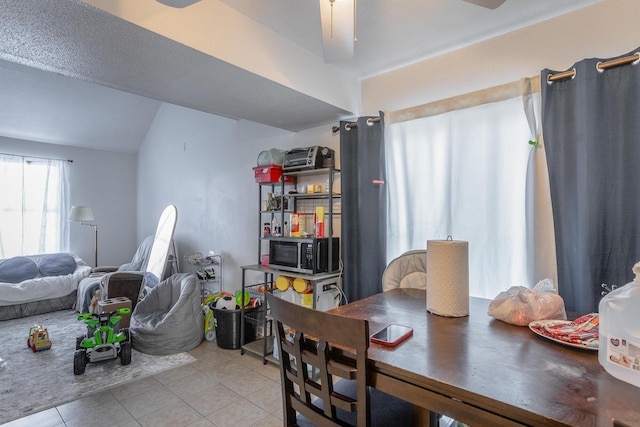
<point>155,259</point>
<point>409,270</point>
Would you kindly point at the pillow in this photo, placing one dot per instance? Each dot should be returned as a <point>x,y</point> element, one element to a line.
<point>17,269</point>
<point>57,265</point>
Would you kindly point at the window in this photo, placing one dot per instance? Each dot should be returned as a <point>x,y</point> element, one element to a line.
<point>464,174</point>
<point>33,205</point>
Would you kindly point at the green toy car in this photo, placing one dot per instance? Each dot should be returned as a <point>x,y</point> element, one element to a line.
<point>104,340</point>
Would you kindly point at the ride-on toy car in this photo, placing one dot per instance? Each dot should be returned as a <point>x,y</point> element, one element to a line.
<point>104,340</point>
<point>38,338</point>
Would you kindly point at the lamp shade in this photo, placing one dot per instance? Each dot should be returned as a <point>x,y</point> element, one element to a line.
<point>81,213</point>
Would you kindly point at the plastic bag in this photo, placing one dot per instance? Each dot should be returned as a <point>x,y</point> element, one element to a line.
<point>520,305</point>
<point>273,156</point>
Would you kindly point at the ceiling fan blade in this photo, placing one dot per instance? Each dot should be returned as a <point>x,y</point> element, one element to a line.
<point>489,4</point>
<point>178,3</point>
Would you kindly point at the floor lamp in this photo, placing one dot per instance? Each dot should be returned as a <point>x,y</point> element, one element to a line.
<point>81,214</point>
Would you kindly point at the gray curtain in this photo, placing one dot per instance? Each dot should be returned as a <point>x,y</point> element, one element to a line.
<point>363,208</point>
<point>591,131</point>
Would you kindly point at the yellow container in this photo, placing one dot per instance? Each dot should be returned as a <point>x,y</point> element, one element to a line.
<point>282,283</point>
<point>300,285</point>
<point>307,299</point>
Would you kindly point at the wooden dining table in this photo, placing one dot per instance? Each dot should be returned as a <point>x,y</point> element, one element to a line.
<point>485,372</point>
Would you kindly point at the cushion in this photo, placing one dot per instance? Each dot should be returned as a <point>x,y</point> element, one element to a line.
<point>17,269</point>
<point>57,265</point>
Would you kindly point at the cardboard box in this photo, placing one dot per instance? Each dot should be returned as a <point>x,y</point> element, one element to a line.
<point>111,304</point>
<point>269,174</point>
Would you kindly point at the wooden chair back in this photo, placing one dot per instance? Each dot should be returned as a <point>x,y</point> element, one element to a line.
<point>311,341</point>
<point>122,284</point>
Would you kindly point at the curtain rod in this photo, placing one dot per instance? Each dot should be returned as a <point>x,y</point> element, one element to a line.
<point>472,99</point>
<point>601,66</point>
<point>349,126</point>
<point>36,157</point>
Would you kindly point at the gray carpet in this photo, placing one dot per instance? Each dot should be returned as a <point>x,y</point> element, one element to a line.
<point>31,382</point>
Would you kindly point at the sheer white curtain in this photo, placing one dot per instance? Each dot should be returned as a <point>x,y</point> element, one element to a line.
<point>33,205</point>
<point>464,174</point>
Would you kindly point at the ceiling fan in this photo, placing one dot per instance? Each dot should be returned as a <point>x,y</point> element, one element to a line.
<point>489,4</point>
<point>338,21</point>
<point>178,3</point>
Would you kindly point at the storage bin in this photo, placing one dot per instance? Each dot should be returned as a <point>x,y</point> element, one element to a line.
<point>111,304</point>
<point>227,327</point>
<point>269,174</point>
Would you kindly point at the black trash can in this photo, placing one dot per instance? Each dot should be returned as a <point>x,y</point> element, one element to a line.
<point>228,327</point>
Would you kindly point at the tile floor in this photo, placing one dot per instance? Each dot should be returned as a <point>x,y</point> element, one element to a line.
<point>222,388</point>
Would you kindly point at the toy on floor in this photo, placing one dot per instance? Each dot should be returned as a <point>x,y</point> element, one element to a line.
<point>104,340</point>
<point>209,321</point>
<point>226,302</point>
<point>38,338</point>
<point>93,306</point>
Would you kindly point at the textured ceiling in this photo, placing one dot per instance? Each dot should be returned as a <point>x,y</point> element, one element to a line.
<point>60,61</point>
<point>77,40</point>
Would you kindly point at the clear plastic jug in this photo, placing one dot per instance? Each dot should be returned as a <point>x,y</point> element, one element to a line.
<point>619,339</point>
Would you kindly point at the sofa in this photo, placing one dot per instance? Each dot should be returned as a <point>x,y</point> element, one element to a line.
<point>36,284</point>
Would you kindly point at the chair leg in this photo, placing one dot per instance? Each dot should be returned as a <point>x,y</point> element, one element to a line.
<point>424,417</point>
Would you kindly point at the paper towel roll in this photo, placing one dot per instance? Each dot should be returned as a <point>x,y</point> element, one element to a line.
<point>448,277</point>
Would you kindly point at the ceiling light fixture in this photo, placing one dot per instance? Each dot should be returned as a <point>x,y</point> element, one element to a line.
<point>338,20</point>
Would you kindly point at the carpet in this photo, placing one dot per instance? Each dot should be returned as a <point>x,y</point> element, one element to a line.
<point>31,382</point>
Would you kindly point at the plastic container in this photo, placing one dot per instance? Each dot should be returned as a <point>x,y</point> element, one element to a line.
<point>228,327</point>
<point>619,340</point>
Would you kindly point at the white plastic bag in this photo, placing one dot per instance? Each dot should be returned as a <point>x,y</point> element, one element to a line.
<point>520,305</point>
<point>273,156</point>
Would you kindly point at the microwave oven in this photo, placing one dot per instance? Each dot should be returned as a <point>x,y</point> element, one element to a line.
<point>305,256</point>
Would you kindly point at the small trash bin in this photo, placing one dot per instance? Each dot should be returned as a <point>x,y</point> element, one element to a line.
<point>227,327</point>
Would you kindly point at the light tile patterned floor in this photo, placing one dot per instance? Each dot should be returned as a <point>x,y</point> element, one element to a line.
<point>222,388</point>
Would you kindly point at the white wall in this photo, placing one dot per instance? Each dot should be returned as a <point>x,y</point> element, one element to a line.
<point>603,30</point>
<point>203,163</point>
<point>104,180</point>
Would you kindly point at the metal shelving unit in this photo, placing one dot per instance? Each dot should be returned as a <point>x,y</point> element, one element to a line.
<point>282,203</point>
<point>209,272</point>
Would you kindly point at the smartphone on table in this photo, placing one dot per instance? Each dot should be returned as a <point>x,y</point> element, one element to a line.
<point>392,335</point>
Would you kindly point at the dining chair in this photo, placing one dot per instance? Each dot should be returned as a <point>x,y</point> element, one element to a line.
<point>323,370</point>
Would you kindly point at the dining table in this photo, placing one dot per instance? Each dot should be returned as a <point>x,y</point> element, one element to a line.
<point>485,372</point>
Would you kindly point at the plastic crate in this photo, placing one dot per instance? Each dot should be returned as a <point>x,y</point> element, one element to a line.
<point>269,174</point>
